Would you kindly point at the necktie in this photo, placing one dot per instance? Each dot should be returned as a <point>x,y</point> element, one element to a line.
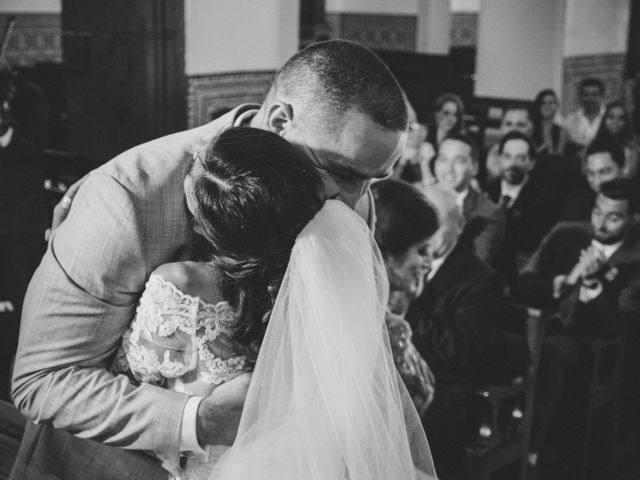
<point>505,201</point>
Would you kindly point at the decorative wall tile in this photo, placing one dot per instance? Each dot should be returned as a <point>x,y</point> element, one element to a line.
<point>607,67</point>
<point>208,94</point>
<point>464,30</point>
<point>35,38</point>
<point>384,32</point>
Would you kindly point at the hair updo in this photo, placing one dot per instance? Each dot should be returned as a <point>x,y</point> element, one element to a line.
<point>254,194</point>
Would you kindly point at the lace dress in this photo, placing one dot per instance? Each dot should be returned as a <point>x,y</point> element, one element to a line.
<point>182,343</point>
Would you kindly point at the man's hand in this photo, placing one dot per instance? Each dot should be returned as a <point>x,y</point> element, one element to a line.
<point>592,262</point>
<point>219,413</point>
<point>61,210</point>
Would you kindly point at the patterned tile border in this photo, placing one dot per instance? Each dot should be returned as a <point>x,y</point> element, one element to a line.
<point>35,38</point>
<point>607,67</point>
<point>384,32</point>
<point>207,94</point>
<point>464,30</point>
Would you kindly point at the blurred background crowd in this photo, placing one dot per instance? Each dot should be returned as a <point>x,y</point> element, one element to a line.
<point>509,227</point>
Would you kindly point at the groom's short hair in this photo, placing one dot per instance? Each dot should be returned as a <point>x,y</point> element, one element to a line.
<point>336,76</point>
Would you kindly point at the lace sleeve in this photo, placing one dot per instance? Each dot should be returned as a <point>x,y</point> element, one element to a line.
<point>161,341</point>
<point>413,369</point>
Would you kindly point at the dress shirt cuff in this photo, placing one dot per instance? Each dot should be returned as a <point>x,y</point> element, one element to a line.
<point>188,436</point>
<point>587,294</point>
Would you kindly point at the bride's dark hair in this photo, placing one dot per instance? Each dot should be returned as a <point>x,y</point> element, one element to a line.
<point>254,193</point>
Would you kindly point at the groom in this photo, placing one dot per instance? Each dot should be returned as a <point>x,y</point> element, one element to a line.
<point>337,102</point>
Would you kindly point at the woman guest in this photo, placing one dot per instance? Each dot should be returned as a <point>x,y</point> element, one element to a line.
<point>422,145</point>
<point>448,116</point>
<point>405,223</point>
<point>548,136</point>
<point>616,126</point>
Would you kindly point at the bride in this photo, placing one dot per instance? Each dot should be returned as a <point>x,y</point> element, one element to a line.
<point>293,288</point>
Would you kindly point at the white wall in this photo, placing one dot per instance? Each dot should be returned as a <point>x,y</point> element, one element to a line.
<point>465,6</point>
<point>239,35</point>
<point>31,6</point>
<point>596,26</point>
<point>519,47</point>
<point>433,33</point>
<point>381,7</point>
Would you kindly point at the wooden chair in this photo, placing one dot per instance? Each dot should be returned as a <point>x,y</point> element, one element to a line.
<point>502,442</point>
<point>11,430</point>
<point>600,408</point>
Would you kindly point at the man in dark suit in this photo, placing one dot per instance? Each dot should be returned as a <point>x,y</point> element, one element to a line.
<point>530,207</point>
<point>604,161</point>
<point>453,323</point>
<point>589,273</point>
<point>454,167</point>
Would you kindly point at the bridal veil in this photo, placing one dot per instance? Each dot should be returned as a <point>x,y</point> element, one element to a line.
<point>325,401</point>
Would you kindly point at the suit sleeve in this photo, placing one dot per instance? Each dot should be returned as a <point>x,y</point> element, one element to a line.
<point>79,303</point>
<point>535,282</point>
<point>489,241</point>
<point>457,339</point>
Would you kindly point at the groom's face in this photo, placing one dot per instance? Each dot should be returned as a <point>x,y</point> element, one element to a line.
<point>349,157</point>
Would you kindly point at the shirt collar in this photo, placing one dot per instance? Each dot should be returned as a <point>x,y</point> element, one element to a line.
<point>596,119</point>
<point>5,139</point>
<point>513,191</point>
<point>437,263</point>
<point>460,196</point>
<point>607,250</point>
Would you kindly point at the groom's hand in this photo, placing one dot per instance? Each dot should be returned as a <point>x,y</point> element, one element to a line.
<point>219,413</point>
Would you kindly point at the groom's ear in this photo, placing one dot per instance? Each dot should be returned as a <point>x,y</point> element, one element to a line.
<point>279,117</point>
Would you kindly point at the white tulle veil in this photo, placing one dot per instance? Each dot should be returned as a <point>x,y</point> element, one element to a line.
<point>325,400</point>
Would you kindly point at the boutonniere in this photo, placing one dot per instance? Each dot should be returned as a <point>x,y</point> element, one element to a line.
<point>611,274</point>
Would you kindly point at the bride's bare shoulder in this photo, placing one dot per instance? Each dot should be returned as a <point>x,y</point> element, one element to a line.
<point>193,278</point>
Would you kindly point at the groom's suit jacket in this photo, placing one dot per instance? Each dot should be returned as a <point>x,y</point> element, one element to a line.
<point>127,218</point>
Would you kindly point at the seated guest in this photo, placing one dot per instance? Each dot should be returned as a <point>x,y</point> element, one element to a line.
<point>529,205</point>
<point>589,273</point>
<point>448,118</point>
<point>454,168</point>
<point>616,126</point>
<point>604,161</point>
<point>514,118</point>
<point>582,124</point>
<point>452,322</point>
<point>548,136</point>
<point>405,221</point>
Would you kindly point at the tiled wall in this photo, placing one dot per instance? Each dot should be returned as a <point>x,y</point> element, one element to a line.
<point>385,32</point>
<point>607,67</point>
<point>35,38</point>
<point>464,30</point>
<point>392,32</point>
<point>208,94</point>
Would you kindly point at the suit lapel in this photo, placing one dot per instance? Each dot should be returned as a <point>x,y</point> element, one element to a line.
<point>470,202</point>
<point>523,197</point>
<point>449,270</point>
<point>625,252</point>
<point>493,190</point>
